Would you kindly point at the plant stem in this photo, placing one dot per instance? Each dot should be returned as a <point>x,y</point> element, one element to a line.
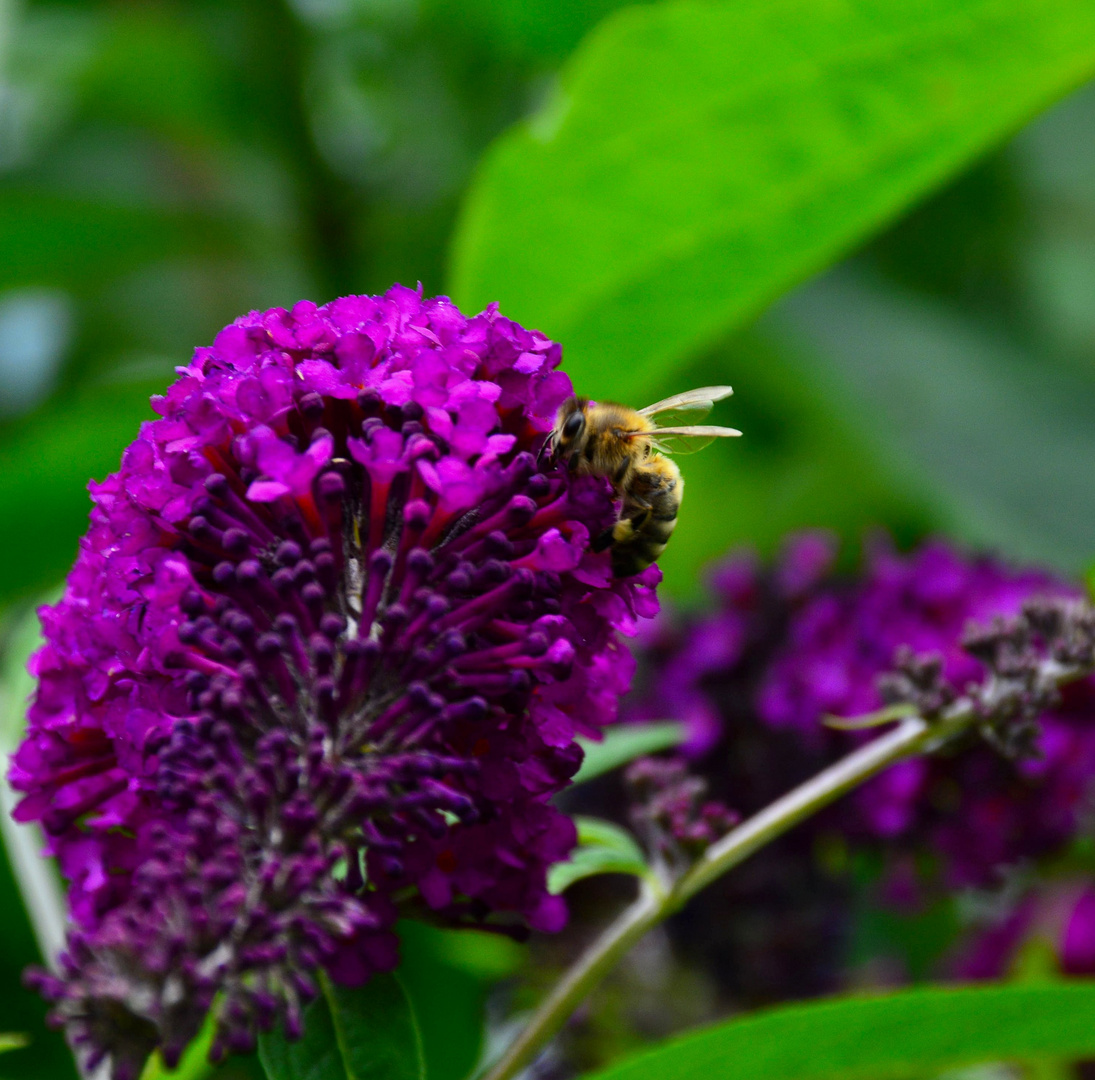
<point>36,878</point>
<point>654,905</point>
<point>591,967</point>
<point>806,799</point>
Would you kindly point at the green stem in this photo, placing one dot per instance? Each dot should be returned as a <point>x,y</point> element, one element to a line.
<point>654,905</point>
<point>909,737</point>
<point>592,966</point>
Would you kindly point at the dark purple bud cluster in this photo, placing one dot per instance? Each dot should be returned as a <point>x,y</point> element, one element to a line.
<point>670,813</point>
<point>1028,658</point>
<point>326,649</point>
<point>917,681</point>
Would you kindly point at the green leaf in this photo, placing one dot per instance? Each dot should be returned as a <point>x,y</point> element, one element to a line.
<point>625,743</point>
<point>607,834</point>
<point>701,158</point>
<point>603,848</point>
<point>1001,437</point>
<point>447,975</point>
<point>12,1042</point>
<point>368,1033</point>
<point>478,954</point>
<point>913,1032</point>
<point>16,681</point>
<point>195,1064</point>
<point>48,458</point>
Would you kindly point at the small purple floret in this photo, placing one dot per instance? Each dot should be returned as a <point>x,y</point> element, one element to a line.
<point>670,812</point>
<point>327,645</point>
<point>1057,914</point>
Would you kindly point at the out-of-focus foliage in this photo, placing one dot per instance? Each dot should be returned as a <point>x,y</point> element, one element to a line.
<point>916,1032</point>
<point>700,158</point>
<point>365,1033</point>
<point>166,166</point>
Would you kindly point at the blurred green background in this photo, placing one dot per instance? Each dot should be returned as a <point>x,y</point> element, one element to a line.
<point>166,166</point>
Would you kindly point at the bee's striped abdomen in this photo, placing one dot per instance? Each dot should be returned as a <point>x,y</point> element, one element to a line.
<point>640,536</point>
<point>636,554</point>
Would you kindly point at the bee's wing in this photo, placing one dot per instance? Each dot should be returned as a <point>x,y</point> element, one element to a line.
<point>687,440</point>
<point>691,405</point>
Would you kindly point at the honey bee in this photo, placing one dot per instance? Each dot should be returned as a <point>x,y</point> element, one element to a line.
<point>628,447</point>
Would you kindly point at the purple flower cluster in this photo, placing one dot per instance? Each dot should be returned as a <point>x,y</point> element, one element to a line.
<point>1059,915</point>
<point>975,809</point>
<point>791,644</point>
<point>327,645</point>
<point>670,812</point>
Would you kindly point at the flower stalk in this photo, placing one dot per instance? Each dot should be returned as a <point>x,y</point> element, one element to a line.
<point>654,905</point>
<point>1028,660</point>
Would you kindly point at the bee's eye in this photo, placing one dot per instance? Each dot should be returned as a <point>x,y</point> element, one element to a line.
<point>573,425</point>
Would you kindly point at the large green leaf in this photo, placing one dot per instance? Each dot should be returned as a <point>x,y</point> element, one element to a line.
<point>447,975</point>
<point>919,1031</point>
<point>368,1033</point>
<point>701,158</point>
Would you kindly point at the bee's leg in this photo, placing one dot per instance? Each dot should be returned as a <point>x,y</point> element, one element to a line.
<point>624,529</point>
<point>604,540</point>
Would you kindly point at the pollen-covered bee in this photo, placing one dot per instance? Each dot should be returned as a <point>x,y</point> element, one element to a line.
<point>628,446</point>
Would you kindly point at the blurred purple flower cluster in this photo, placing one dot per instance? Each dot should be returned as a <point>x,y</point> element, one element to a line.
<point>670,811</point>
<point>328,643</point>
<point>812,644</point>
<point>1058,916</point>
<point>790,643</point>
<point>973,808</point>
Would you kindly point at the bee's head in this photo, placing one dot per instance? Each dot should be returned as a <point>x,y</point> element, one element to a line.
<point>568,436</point>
